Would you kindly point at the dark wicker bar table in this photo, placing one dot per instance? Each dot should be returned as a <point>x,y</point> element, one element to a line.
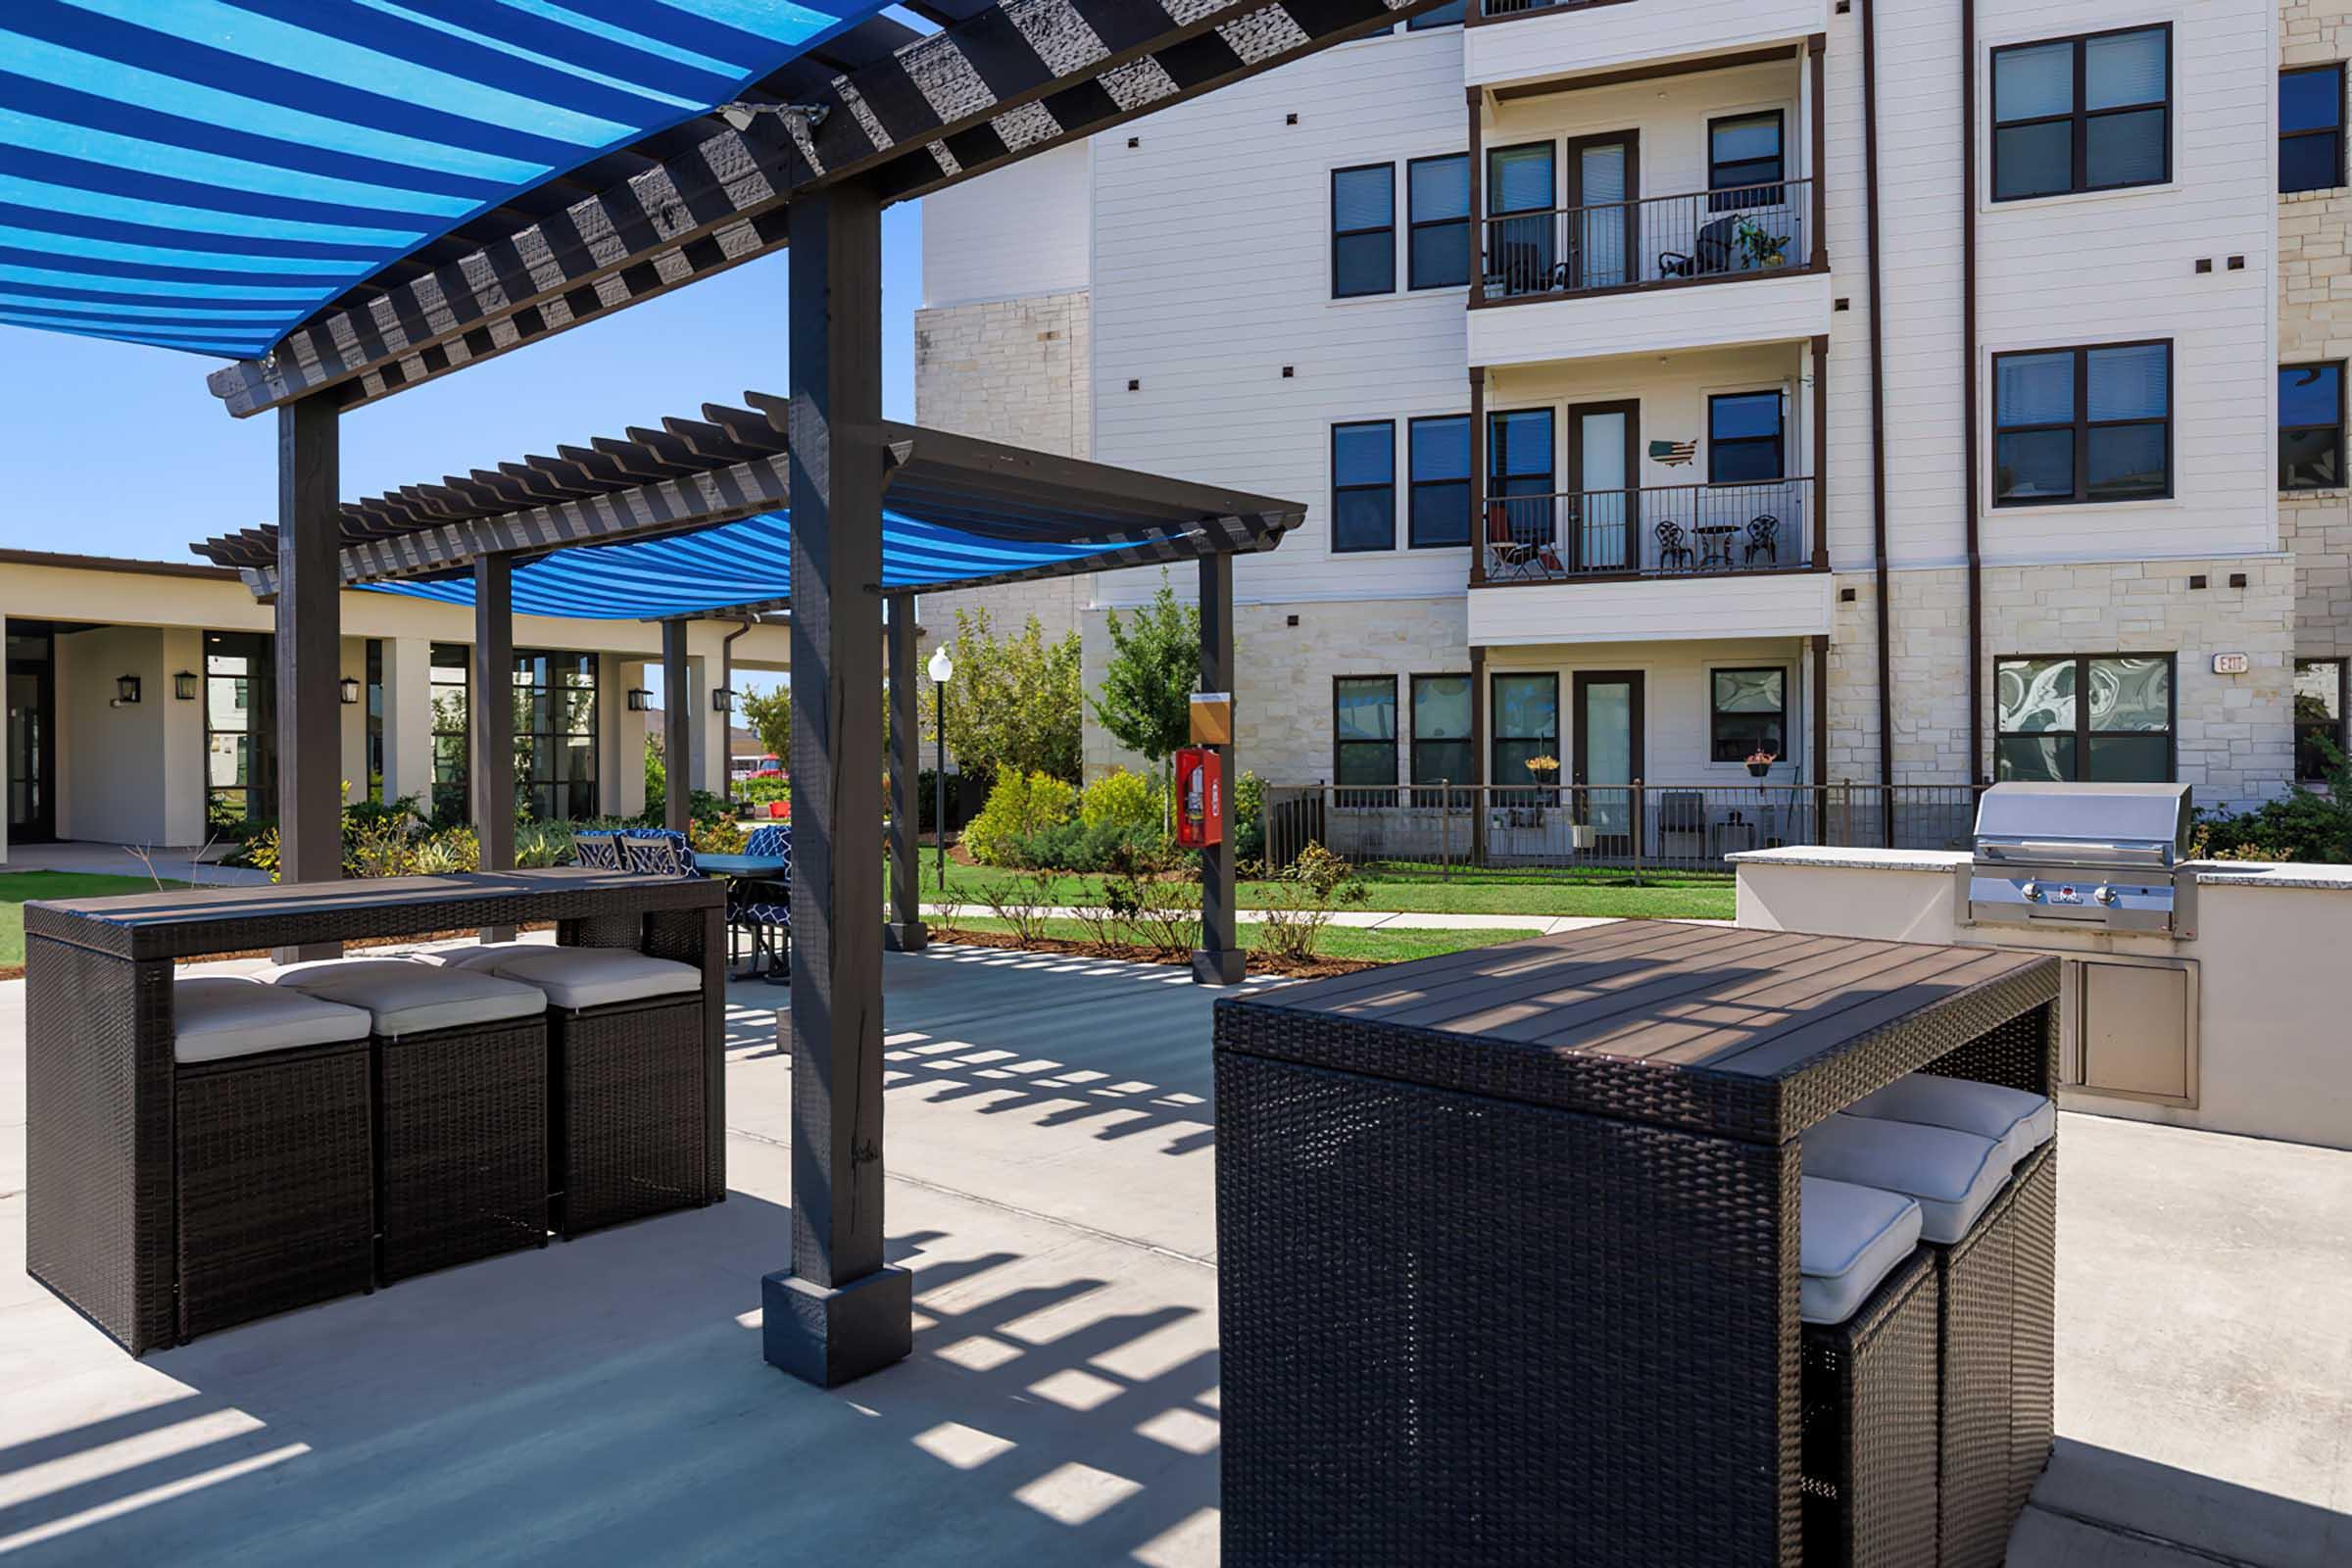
<point>1508,1240</point>
<point>100,1198</point>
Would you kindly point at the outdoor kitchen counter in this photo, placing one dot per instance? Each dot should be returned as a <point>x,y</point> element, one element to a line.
<point>1508,1239</point>
<point>100,1195</point>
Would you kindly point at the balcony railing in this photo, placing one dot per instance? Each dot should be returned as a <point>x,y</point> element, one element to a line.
<point>1511,8</point>
<point>1666,531</point>
<point>1713,236</point>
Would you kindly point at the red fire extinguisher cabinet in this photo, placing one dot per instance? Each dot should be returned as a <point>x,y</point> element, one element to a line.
<point>1199,797</point>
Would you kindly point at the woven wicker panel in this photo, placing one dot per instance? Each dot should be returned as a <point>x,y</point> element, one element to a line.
<point>2033,1353</point>
<point>1447,1337</point>
<point>2023,1003</point>
<point>2020,1054</point>
<point>277,1185</point>
<point>629,1107</point>
<point>1870,1428</point>
<point>462,1137</point>
<point>1978,1281</point>
<point>98,1138</point>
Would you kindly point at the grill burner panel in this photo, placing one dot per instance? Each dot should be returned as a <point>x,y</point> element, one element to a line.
<point>2101,857</point>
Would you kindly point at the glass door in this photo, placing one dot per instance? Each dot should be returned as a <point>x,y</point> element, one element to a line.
<point>1602,459</point>
<point>1608,756</point>
<point>31,739</point>
<point>1603,240</point>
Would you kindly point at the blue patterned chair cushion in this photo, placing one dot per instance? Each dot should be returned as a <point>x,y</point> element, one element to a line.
<point>759,902</point>
<point>771,838</point>
<point>658,852</point>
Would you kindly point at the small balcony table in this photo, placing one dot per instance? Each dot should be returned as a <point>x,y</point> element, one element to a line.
<point>1508,1239</point>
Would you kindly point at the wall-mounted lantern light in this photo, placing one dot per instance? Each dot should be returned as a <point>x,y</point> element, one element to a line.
<point>723,701</point>
<point>350,689</point>
<point>126,691</point>
<point>183,685</point>
<point>640,699</point>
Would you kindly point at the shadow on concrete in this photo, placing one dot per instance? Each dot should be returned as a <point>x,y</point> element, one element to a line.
<point>2095,1508</point>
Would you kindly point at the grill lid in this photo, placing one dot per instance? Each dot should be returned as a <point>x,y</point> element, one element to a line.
<point>2084,822</point>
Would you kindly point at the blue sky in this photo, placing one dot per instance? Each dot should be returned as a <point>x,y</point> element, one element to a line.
<point>112,448</point>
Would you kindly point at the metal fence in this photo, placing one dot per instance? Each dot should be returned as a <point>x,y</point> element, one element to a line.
<point>1623,827</point>
<point>1742,231</point>
<point>1657,531</point>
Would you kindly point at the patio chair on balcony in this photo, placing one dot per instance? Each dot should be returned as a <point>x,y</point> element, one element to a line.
<point>1673,547</point>
<point>1682,812</point>
<point>1711,254</point>
<point>1763,535</point>
<point>1509,555</point>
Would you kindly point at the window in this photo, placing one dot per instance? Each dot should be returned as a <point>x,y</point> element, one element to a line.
<point>555,734</point>
<point>1439,512</point>
<point>453,770</point>
<point>1442,727</point>
<point>1519,453</point>
<point>1750,713</point>
<point>2105,719</point>
<point>1743,155</point>
<point>2318,716</point>
<point>1363,485</point>
<point>2311,129</point>
<point>1443,17</point>
<point>1521,244</point>
<point>2311,427</point>
<point>1437,246</point>
<point>240,727</point>
<point>2082,114</point>
<point>1744,437</point>
<point>374,694</point>
<point>2083,424</point>
<point>1364,733</point>
<point>1364,230</point>
<point>1527,723</point>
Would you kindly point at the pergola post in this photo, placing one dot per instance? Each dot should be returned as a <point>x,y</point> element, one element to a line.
<point>678,730</point>
<point>1219,959</point>
<point>905,932</point>
<point>493,705</point>
<point>838,1312</point>
<point>308,652</point>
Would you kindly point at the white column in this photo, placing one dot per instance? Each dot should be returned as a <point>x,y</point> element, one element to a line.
<point>408,720</point>
<point>620,758</point>
<point>184,758</point>
<point>353,717</point>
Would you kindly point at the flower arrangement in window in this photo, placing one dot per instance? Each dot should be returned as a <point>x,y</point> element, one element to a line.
<point>1544,769</point>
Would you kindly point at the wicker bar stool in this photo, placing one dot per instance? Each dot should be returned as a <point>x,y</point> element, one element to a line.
<point>626,1066</point>
<point>460,1066</point>
<point>276,1198</point>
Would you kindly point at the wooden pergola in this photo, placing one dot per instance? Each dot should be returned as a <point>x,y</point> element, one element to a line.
<point>806,155</point>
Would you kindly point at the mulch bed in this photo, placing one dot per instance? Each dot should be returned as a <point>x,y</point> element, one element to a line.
<point>1258,962</point>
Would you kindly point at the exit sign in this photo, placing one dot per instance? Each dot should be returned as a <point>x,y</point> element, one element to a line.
<point>2230,664</point>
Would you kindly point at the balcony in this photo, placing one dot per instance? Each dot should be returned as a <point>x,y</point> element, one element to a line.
<point>1528,40</point>
<point>1719,236</point>
<point>1691,530</point>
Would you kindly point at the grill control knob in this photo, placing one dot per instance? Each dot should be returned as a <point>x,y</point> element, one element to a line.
<point>2031,892</point>
<point>2103,895</point>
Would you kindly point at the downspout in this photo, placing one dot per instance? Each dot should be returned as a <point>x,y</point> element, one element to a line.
<point>1877,413</point>
<point>1968,335</point>
<point>726,739</point>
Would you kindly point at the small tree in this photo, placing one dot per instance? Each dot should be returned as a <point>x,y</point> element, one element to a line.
<point>768,715</point>
<point>1015,701</point>
<point>1146,701</point>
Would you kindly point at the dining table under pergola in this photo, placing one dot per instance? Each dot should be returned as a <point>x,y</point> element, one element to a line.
<point>350,201</point>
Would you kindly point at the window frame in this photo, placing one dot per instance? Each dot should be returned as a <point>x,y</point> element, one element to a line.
<point>2082,732</point>
<point>1530,794</point>
<point>1336,488</point>
<point>1779,437</point>
<point>451,800</point>
<point>2079,118</point>
<point>2334,131</point>
<point>256,797</point>
<point>1332,216</point>
<point>1468,742</point>
<point>2342,479</point>
<point>1413,225</point>
<point>530,757</point>
<point>1413,484</point>
<point>1340,745</point>
<point>2342,723</point>
<point>2082,424</point>
<point>1759,187</point>
<point>1716,713</point>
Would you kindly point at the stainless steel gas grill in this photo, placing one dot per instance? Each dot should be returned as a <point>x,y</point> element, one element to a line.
<point>2101,857</point>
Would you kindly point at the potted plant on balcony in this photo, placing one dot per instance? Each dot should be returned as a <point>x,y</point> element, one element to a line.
<point>1759,762</point>
<point>1762,247</point>
<point>1545,772</point>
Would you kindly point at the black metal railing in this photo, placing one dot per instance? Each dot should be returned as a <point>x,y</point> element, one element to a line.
<point>1514,8</point>
<point>1717,235</point>
<point>1663,531</point>
<point>1613,827</point>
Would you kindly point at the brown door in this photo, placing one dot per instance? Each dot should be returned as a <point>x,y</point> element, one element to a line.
<point>1604,223</point>
<point>1607,736</point>
<point>1604,470</point>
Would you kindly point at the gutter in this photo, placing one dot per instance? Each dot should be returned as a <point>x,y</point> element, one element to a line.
<point>1968,335</point>
<point>1877,410</point>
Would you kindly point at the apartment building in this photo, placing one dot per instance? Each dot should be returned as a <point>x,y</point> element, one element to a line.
<point>1914,392</point>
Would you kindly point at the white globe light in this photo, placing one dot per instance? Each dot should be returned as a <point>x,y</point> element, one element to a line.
<point>942,668</point>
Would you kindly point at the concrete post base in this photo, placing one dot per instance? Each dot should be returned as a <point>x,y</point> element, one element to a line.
<point>831,1337</point>
<point>912,936</point>
<point>1223,968</point>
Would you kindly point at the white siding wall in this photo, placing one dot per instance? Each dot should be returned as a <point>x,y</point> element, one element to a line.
<point>1790,603</point>
<point>1763,309</point>
<point>1615,35</point>
<point>1012,233</point>
<point>1675,700</point>
<point>1212,271</point>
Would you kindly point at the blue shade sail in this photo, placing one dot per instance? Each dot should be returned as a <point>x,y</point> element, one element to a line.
<point>206,176</point>
<point>748,563</point>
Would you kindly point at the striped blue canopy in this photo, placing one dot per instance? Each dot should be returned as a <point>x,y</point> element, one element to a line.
<point>750,563</point>
<point>203,175</point>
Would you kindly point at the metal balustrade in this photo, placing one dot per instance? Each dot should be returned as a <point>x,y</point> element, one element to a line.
<point>1749,231</point>
<point>1661,531</point>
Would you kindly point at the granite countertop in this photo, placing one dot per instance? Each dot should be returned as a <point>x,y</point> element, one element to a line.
<point>1856,859</point>
<point>2262,874</point>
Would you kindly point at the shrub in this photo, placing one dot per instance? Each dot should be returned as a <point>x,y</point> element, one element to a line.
<point>2306,826</point>
<point>1248,817</point>
<point>1122,799</point>
<point>1080,846</point>
<point>1302,899</point>
<point>1020,805</point>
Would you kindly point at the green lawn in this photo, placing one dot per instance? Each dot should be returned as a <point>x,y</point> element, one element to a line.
<point>1338,942</point>
<point>19,888</point>
<point>1661,895</point>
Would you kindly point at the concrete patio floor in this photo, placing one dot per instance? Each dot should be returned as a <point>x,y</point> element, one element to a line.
<point>1050,1158</point>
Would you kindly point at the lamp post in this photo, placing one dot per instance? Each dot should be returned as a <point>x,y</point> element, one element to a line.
<point>942,671</point>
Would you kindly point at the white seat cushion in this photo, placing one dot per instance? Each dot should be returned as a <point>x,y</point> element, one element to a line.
<point>1953,1175</point>
<point>218,1016</point>
<point>1849,1238</point>
<point>597,977</point>
<point>2019,1121</point>
<point>487,956</point>
<point>408,998</point>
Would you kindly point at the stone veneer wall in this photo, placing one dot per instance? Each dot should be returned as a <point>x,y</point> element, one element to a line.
<point>1018,372</point>
<point>1282,702</point>
<point>2234,733</point>
<point>2315,322</point>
